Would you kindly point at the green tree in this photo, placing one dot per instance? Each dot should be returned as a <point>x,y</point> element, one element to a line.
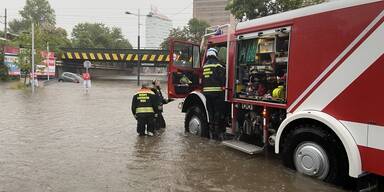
<point>55,36</point>
<point>193,32</point>
<point>39,11</point>
<point>181,34</point>
<point>196,29</point>
<point>24,41</point>
<point>251,9</point>
<point>98,35</point>
<point>44,19</point>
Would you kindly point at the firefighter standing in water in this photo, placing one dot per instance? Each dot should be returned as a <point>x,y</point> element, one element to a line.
<point>145,108</point>
<point>213,90</point>
<point>159,121</point>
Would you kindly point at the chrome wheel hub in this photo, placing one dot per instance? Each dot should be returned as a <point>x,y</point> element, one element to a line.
<point>312,160</point>
<point>195,125</point>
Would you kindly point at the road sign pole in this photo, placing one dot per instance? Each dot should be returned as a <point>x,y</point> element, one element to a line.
<point>87,82</point>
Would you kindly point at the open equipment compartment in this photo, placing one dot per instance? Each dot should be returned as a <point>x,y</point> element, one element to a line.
<point>261,67</point>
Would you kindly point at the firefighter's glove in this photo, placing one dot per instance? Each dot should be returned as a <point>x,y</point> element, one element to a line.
<point>170,100</point>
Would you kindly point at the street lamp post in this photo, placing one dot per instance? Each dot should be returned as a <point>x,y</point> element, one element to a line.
<point>138,42</point>
<point>33,57</point>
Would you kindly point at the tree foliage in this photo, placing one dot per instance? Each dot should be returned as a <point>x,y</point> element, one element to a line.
<point>193,32</point>
<point>38,11</point>
<point>25,54</point>
<point>251,9</point>
<point>44,19</point>
<point>98,35</point>
<point>196,29</point>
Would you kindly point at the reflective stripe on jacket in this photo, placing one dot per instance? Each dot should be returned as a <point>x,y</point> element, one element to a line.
<point>144,110</point>
<point>145,102</point>
<point>213,77</point>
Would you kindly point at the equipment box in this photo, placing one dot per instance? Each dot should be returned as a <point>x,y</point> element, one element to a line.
<point>262,66</point>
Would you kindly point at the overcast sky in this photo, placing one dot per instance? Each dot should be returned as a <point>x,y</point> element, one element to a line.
<point>110,12</point>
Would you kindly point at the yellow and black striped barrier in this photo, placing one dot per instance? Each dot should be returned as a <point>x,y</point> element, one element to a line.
<point>147,56</point>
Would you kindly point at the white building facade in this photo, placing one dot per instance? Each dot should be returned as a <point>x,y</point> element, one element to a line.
<point>157,28</point>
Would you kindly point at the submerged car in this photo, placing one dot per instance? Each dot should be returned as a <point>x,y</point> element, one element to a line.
<point>70,77</point>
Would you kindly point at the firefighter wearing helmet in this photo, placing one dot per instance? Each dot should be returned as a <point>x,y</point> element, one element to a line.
<point>213,90</point>
<point>145,108</point>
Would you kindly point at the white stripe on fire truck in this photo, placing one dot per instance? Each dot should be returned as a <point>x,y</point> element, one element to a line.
<point>366,135</point>
<point>359,132</point>
<point>349,70</point>
<point>375,137</point>
<point>337,60</point>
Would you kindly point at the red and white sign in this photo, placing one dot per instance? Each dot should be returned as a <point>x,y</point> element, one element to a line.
<point>86,76</point>
<point>48,64</point>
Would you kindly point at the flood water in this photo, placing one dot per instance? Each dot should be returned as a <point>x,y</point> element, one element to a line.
<point>60,139</point>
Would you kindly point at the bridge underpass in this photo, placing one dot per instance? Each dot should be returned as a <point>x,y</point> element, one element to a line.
<point>115,63</point>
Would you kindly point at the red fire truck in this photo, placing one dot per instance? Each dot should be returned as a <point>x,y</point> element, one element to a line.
<point>307,82</point>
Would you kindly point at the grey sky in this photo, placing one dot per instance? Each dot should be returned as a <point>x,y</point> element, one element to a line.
<point>110,12</point>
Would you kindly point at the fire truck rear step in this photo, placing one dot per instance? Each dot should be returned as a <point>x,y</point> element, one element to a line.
<point>243,146</point>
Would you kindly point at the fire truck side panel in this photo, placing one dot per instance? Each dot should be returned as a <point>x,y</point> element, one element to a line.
<point>360,108</point>
<point>361,102</point>
<point>335,65</point>
<point>318,41</point>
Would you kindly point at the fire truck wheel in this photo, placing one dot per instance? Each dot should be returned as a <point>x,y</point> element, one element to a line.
<point>315,152</point>
<point>195,122</point>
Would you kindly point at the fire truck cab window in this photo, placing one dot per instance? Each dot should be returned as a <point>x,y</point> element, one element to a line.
<point>183,56</point>
<point>262,66</point>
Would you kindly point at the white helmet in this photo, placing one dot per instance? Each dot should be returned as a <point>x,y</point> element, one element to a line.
<point>212,52</point>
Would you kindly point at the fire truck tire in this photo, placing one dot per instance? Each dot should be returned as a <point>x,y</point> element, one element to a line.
<point>195,122</point>
<point>315,152</point>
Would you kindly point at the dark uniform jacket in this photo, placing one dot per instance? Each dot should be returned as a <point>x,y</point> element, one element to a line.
<point>145,103</point>
<point>213,76</point>
<point>160,97</point>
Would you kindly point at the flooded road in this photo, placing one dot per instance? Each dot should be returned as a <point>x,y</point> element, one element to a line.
<point>62,140</point>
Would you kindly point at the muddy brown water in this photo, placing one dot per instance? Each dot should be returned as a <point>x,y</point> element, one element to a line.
<point>62,140</point>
